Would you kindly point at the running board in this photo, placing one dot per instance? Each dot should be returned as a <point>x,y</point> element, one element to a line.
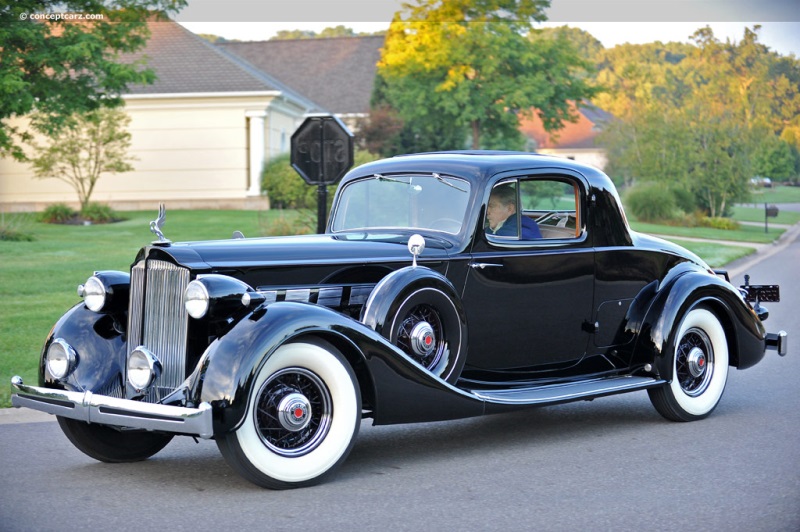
<point>571,391</point>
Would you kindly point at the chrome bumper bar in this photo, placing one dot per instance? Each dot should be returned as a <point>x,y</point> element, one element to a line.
<point>104,410</point>
<point>779,342</point>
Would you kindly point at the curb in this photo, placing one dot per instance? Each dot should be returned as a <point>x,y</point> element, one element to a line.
<point>739,266</point>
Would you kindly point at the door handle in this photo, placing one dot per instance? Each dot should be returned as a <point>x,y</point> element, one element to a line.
<point>482,265</point>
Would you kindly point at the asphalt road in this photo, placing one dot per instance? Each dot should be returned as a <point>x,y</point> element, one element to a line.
<point>610,464</point>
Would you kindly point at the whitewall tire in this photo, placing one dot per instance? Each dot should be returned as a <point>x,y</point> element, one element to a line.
<point>700,362</point>
<point>303,415</point>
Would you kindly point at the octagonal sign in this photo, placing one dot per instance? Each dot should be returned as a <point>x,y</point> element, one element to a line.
<point>322,150</point>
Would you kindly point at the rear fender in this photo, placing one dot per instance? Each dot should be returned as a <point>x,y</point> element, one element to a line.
<point>679,294</point>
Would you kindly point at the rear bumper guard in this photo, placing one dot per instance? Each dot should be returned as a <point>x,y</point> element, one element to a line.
<point>104,410</point>
<point>778,341</point>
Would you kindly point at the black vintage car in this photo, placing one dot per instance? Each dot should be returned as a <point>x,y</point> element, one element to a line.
<point>447,285</point>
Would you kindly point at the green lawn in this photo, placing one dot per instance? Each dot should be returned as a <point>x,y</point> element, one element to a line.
<point>745,213</point>
<point>716,255</point>
<point>779,194</point>
<point>746,233</point>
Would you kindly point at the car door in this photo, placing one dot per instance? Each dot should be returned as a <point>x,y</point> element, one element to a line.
<point>528,298</point>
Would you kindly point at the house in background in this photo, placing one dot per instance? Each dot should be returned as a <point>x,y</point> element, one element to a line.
<point>336,73</point>
<point>576,141</point>
<point>203,131</point>
<point>200,134</point>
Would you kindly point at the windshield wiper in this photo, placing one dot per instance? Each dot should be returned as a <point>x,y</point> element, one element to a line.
<point>380,177</point>
<point>440,179</point>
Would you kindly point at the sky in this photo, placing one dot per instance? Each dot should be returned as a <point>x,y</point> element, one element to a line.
<point>612,22</point>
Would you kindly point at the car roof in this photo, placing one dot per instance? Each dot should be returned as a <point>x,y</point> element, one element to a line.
<point>478,165</point>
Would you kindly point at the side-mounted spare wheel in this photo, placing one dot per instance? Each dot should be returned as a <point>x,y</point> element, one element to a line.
<point>699,368</point>
<point>419,311</point>
<point>302,418</point>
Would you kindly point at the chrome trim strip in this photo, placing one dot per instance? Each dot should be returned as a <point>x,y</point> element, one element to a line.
<point>101,409</point>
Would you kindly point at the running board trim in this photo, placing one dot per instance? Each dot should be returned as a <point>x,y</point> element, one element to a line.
<point>565,392</point>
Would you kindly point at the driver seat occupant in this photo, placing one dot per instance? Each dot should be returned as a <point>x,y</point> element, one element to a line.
<point>501,215</point>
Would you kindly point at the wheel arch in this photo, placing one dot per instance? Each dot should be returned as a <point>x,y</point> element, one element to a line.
<point>744,333</point>
<point>229,367</point>
<point>351,353</point>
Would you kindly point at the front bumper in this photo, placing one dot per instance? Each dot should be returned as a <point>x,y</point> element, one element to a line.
<point>104,410</point>
<point>779,342</point>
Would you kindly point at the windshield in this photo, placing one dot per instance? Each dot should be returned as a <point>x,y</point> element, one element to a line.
<point>431,202</point>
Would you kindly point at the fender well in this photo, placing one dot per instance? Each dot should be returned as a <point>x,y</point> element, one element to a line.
<point>744,332</point>
<point>416,296</point>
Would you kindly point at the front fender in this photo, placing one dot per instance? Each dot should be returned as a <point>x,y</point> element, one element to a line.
<point>402,390</point>
<point>674,298</point>
<point>100,346</point>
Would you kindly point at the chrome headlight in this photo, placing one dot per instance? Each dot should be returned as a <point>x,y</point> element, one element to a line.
<point>196,299</point>
<point>143,368</point>
<point>93,292</point>
<point>60,359</point>
<point>106,291</point>
<point>218,297</point>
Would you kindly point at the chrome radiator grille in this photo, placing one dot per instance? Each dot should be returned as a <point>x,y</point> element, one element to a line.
<point>157,320</point>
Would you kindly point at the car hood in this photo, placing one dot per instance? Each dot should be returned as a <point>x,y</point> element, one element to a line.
<point>298,251</point>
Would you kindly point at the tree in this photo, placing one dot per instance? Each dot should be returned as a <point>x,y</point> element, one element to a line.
<point>477,64</point>
<point>697,116</point>
<point>86,147</point>
<point>59,65</point>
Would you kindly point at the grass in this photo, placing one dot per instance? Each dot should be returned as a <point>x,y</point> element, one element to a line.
<point>779,194</point>
<point>38,279</point>
<point>743,213</point>
<point>716,255</point>
<point>746,233</point>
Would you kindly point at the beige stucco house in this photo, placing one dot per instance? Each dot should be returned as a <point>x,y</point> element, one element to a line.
<point>200,134</point>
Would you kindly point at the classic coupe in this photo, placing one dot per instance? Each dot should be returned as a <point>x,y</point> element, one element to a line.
<point>446,285</point>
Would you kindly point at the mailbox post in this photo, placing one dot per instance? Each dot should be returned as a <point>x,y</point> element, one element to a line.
<point>770,211</point>
<point>322,152</point>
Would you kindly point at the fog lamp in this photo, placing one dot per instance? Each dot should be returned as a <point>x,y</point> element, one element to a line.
<point>143,368</point>
<point>61,359</point>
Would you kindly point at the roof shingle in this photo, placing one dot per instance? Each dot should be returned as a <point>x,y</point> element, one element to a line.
<point>337,73</point>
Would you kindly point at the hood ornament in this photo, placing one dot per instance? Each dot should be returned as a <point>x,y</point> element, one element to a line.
<point>157,224</point>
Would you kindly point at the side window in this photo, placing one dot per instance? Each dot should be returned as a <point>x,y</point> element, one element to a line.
<point>553,204</point>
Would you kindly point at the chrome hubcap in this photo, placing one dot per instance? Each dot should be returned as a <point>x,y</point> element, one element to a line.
<point>696,362</point>
<point>423,340</point>
<point>294,412</point>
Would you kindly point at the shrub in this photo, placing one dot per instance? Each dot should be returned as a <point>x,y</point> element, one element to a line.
<point>287,190</point>
<point>14,228</point>
<point>303,222</point>
<point>652,202</point>
<point>99,213</point>
<point>57,213</point>
<point>719,223</point>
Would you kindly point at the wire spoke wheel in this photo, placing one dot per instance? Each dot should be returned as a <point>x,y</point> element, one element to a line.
<point>294,412</point>
<point>303,415</point>
<point>699,368</point>
<point>422,337</point>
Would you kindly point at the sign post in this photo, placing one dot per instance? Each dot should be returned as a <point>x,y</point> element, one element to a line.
<point>322,152</point>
